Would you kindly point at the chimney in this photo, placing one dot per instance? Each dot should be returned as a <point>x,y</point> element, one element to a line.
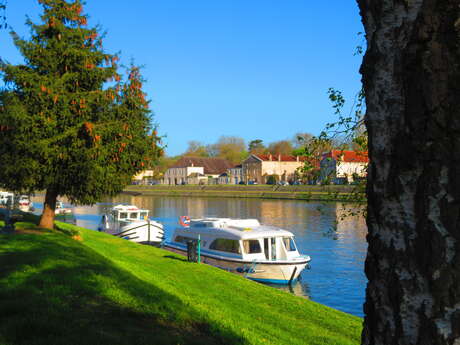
<point>279,158</point>
<point>297,158</point>
<point>270,156</point>
<point>192,164</point>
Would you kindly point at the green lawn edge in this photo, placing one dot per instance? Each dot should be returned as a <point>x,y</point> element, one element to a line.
<point>346,193</point>
<point>78,286</point>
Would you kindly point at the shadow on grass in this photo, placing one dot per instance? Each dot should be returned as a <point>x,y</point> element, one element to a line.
<point>174,258</point>
<point>53,290</point>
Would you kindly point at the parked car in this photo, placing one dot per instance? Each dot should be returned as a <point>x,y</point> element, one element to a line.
<point>283,183</point>
<point>241,182</point>
<point>252,182</point>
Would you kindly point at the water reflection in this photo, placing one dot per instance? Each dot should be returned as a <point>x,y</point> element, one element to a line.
<point>337,246</point>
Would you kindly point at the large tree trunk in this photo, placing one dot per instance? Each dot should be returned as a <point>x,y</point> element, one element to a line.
<point>411,78</point>
<point>49,206</point>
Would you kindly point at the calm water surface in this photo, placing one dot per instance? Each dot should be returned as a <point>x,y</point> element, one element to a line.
<point>337,247</point>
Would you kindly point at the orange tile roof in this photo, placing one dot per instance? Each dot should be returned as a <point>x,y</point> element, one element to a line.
<point>348,156</point>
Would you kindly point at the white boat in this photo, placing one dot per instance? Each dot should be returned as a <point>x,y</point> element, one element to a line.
<point>244,246</point>
<point>6,197</point>
<point>60,209</point>
<point>132,223</point>
<point>24,203</point>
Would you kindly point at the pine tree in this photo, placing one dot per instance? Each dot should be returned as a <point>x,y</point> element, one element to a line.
<point>69,123</point>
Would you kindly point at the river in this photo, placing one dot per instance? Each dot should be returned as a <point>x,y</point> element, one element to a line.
<point>336,244</point>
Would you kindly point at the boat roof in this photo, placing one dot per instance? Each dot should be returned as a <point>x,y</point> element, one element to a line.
<point>238,229</point>
<point>127,208</point>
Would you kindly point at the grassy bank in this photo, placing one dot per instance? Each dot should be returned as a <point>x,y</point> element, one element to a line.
<point>302,192</point>
<point>86,287</point>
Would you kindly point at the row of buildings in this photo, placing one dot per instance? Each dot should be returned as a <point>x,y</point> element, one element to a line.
<point>336,167</point>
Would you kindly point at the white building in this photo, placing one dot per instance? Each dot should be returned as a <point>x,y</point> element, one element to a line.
<point>339,166</point>
<point>195,170</point>
<point>258,167</point>
<point>235,174</point>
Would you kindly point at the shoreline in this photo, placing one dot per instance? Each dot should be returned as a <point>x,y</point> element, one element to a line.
<point>345,193</point>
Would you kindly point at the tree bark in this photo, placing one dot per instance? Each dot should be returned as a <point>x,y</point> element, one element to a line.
<point>411,77</point>
<point>49,206</point>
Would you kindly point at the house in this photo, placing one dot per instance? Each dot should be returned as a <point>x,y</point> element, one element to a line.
<point>339,166</point>
<point>258,167</point>
<point>144,175</point>
<point>235,174</point>
<point>196,170</point>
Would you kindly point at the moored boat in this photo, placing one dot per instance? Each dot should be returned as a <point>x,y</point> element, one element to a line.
<point>60,209</point>
<point>24,203</point>
<point>243,246</point>
<point>131,223</point>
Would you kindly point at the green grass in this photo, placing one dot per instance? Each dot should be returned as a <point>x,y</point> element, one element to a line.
<point>99,289</point>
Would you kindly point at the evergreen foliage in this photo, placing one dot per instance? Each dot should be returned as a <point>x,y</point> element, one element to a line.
<point>69,123</point>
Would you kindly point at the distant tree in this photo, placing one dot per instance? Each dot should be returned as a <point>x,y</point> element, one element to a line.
<point>62,129</point>
<point>231,148</point>
<point>282,147</point>
<point>256,147</point>
<point>299,139</point>
<point>196,148</point>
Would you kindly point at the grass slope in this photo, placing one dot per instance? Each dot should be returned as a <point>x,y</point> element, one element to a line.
<point>99,289</point>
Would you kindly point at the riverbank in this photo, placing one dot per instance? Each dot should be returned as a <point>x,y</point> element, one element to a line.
<point>301,192</point>
<point>85,287</point>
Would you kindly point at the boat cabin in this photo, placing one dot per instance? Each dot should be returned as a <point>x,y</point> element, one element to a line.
<point>128,213</point>
<point>239,238</point>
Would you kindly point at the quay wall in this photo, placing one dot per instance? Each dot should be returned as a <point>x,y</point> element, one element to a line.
<point>301,192</point>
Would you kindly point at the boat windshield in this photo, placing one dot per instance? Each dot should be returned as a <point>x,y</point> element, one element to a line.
<point>144,215</point>
<point>252,246</point>
<point>289,244</point>
<point>133,215</point>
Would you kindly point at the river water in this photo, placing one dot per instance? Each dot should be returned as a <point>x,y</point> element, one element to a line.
<point>337,246</point>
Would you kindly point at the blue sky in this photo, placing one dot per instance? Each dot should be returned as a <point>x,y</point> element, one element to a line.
<point>257,69</point>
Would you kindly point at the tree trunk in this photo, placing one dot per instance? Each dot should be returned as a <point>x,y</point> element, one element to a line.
<point>47,218</point>
<point>411,78</point>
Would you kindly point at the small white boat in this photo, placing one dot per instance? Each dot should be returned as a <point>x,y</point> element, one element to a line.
<point>132,223</point>
<point>24,203</point>
<point>60,209</point>
<point>6,197</point>
<point>244,246</point>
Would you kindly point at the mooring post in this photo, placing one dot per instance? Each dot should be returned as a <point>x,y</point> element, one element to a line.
<point>199,248</point>
<point>148,226</point>
<point>292,275</point>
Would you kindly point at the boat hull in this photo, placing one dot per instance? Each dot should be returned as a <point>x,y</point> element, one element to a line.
<point>274,272</point>
<point>139,232</point>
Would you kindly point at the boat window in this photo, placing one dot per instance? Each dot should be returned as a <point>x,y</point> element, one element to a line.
<point>185,239</point>
<point>123,215</point>
<point>226,245</point>
<point>289,244</point>
<point>144,215</point>
<point>252,246</point>
<point>133,215</point>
